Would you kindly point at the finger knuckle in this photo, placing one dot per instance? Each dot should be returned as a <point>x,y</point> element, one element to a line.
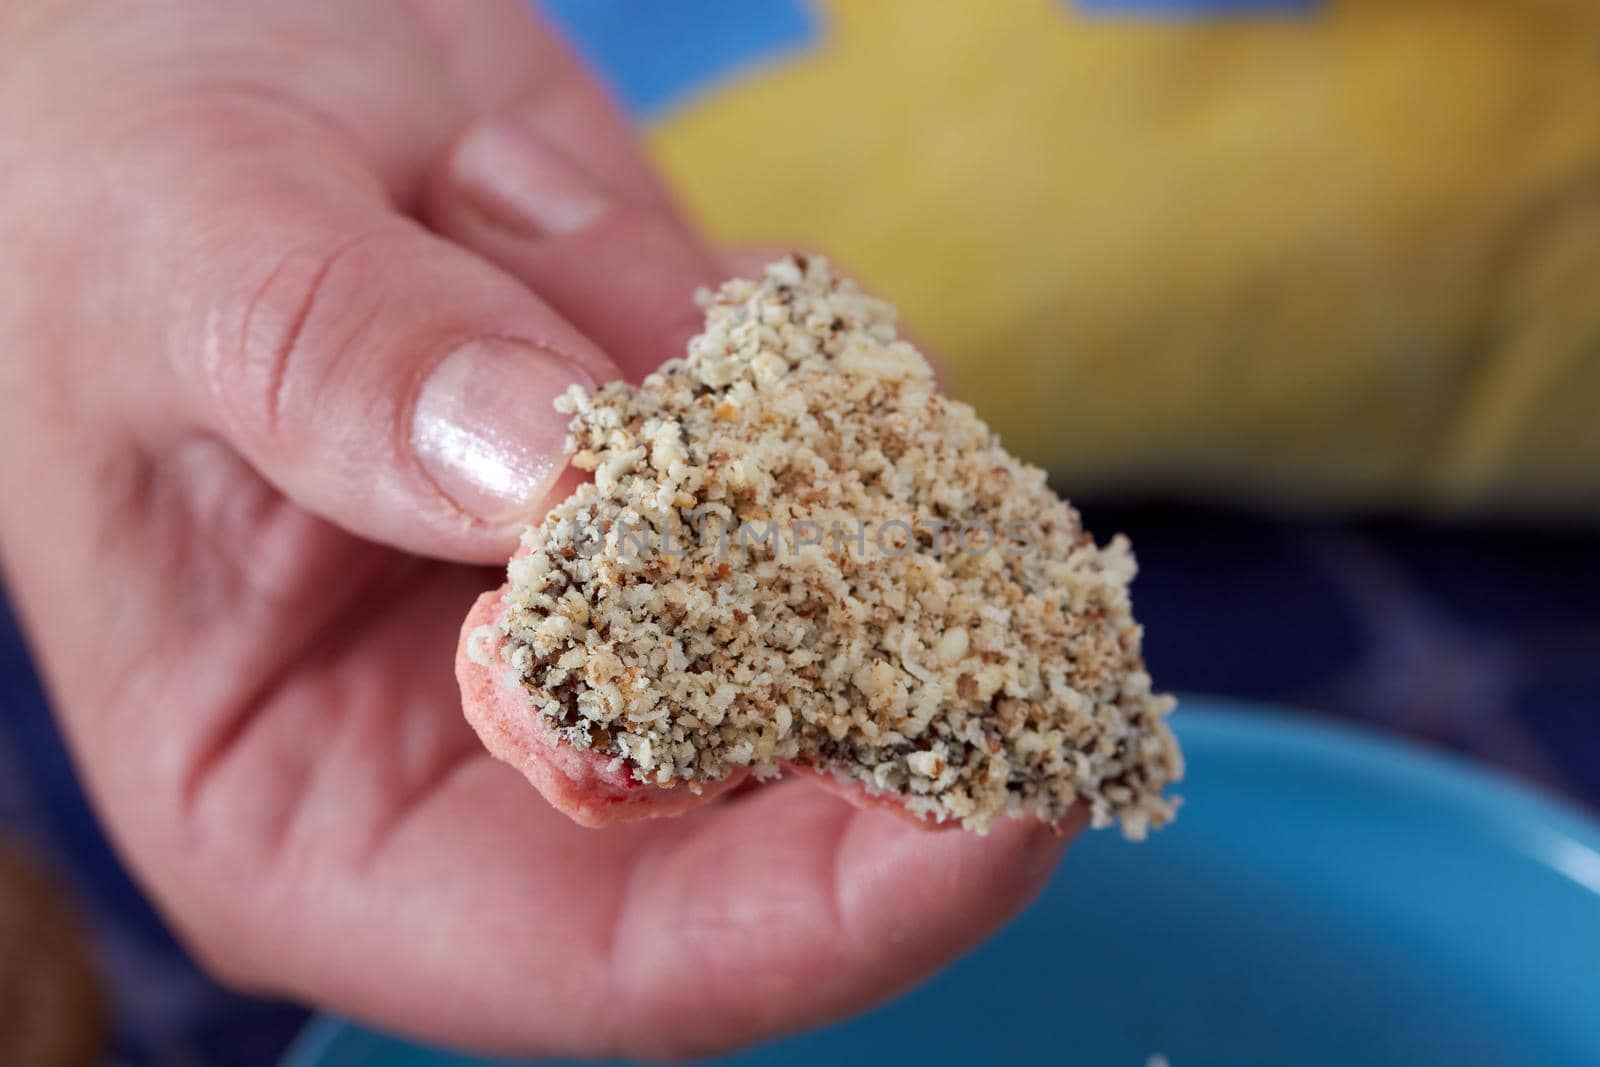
<point>272,345</point>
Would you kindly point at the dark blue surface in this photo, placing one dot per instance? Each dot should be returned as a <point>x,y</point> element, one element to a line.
<point>1328,897</point>
<point>1485,639</point>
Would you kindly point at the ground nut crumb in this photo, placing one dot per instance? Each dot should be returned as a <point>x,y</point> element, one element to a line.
<point>795,551</point>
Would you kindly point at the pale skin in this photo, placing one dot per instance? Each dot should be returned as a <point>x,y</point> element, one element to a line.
<point>268,275</point>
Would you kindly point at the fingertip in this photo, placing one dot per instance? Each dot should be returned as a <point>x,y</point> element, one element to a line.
<point>622,271</point>
<point>388,380</point>
<point>486,431</point>
<point>516,182</point>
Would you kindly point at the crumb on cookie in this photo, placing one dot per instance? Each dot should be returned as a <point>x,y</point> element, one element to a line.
<point>795,551</point>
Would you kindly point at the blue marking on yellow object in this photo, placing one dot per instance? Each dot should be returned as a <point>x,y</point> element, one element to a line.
<point>656,54</point>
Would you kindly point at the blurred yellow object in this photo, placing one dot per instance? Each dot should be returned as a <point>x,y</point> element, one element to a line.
<point>1345,258</point>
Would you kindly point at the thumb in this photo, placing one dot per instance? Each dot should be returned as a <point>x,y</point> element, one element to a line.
<point>377,374</point>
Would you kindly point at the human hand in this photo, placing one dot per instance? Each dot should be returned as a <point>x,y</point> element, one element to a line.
<point>275,380</point>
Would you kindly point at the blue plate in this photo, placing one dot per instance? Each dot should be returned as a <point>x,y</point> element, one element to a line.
<point>1329,896</point>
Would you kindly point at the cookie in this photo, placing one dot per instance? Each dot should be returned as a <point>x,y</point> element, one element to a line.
<point>795,553</point>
